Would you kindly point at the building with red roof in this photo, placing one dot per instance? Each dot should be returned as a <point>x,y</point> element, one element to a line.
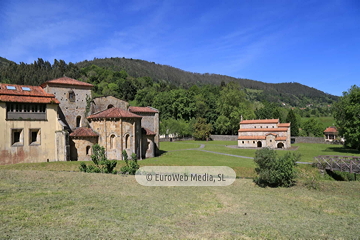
<point>330,134</point>
<point>30,126</point>
<point>264,133</point>
<point>60,121</point>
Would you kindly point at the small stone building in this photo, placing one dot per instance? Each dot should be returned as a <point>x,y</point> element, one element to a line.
<point>264,133</point>
<point>82,140</point>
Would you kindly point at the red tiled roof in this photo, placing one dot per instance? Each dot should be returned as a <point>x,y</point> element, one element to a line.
<point>114,113</point>
<point>142,109</point>
<point>331,130</point>
<point>67,81</point>
<point>260,138</point>
<point>31,94</point>
<point>260,121</point>
<point>251,138</point>
<point>263,130</point>
<point>271,134</point>
<point>148,132</point>
<point>83,132</point>
<point>284,125</point>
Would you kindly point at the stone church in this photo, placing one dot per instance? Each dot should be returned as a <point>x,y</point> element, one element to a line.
<point>264,133</point>
<point>59,121</point>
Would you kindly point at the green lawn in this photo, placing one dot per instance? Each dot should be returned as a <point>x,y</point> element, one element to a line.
<point>307,150</point>
<point>74,205</point>
<point>55,201</point>
<point>176,154</point>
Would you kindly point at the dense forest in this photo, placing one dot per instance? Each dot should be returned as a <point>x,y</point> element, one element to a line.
<point>208,102</point>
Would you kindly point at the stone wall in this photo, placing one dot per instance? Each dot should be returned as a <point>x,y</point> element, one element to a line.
<point>102,103</point>
<point>168,139</point>
<point>82,148</point>
<point>224,137</point>
<point>117,135</point>
<point>309,140</point>
<point>151,122</point>
<point>71,108</point>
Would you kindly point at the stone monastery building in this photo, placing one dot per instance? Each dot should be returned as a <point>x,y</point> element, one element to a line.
<point>264,133</point>
<point>59,121</point>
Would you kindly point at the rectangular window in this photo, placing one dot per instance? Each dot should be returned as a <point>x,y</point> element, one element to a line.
<point>71,96</point>
<point>17,138</point>
<point>34,135</point>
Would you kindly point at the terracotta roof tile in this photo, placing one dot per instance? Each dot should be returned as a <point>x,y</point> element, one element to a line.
<point>148,131</point>
<point>67,81</point>
<point>251,138</point>
<point>143,109</point>
<point>25,93</point>
<point>263,130</point>
<point>114,113</point>
<point>260,121</point>
<point>260,138</point>
<point>84,132</point>
<point>284,125</point>
<point>331,129</point>
<point>271,134</point>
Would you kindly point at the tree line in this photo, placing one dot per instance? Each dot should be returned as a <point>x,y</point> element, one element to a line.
<point>209,108</point>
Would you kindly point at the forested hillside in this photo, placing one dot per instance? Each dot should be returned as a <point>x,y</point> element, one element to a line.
<point>188,103</point>
<point>294,94</point>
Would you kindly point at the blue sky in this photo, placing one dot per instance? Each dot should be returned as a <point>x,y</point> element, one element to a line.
<point>316,43</point>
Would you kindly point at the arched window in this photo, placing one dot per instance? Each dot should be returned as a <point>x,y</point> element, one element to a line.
<point>127,141</point>
<point>78,121</point>
<point>112,141</point>
<point>88,150</point>
<point>110,106</point>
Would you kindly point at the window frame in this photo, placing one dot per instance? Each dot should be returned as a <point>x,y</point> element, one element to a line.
<point>38,136</point>
<point>20,138</point>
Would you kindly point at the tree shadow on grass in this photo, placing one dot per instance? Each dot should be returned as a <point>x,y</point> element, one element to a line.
<point>341,150</point>
<point>161,152</point>
<point>343,176</point>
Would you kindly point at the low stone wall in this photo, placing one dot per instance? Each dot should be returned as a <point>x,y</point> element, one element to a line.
<point>309,140</point>
<point>168,139</point>
<point>224,137</point>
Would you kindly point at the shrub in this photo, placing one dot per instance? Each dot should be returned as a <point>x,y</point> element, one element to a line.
<point>131,166</point>
<point>275,171</point>
<point>102,164</point>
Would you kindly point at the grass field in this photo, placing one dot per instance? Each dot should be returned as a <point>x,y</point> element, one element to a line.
<point>176,154</point>
<point>55,201</point>
<point>66,205</point>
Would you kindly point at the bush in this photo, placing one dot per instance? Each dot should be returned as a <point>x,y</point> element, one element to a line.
<point>102,164</point>
<point>275,171</point>
<point>131,166</point>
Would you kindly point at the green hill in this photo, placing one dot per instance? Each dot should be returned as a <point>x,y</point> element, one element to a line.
<point>4,62</point>
<point>292,93</point>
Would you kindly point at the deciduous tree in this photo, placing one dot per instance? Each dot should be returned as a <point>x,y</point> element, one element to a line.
<point>347,116</point>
